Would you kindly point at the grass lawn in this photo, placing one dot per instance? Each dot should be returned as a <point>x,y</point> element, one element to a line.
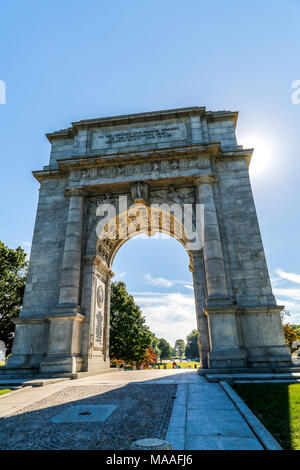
<point>277,406</point>
<point>5,390</point>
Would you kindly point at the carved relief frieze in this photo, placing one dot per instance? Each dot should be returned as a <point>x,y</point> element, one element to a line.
<point>144,167</point>
<point>171,194</point>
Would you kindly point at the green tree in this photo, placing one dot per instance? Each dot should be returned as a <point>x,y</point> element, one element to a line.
<point>290,335</point>
<point>130,338</point>
<point>165,349</point>
<point>192,348</point>
<point>154,344</point>
<point>179,347</point>
<point>13,266</point>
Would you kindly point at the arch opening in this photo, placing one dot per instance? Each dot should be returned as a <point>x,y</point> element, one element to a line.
<point>154,269</point>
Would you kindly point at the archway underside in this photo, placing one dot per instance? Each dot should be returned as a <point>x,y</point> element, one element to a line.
<point>135,221</point>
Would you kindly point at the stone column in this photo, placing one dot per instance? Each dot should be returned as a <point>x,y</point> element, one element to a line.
<point>212,249</point>
<point>70,276</point>
<point>222,326</point>
<point>200,295</point>
<point>64,343</point>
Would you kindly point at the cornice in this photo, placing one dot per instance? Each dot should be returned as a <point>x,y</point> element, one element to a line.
<point>221,115</point>
<point>208,150</point>
<point>260,309</point>
<point>127,119</point>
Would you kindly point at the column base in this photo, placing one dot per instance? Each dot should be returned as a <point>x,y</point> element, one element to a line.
<point>204,361</point>
<point>26,361</point>
<point>61,364</point>
<point>227,358</point>
<point>272,356</point>
<point>225,347</point>
<point>64,341</point>
<point>263,338</point>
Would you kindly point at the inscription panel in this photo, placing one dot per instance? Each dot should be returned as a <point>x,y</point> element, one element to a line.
<point>138,136</point>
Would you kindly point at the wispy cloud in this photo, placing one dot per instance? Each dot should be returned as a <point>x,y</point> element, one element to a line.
<point>293,277</point>
<point>162,282</point>
<point>169,315</point>
<point>276,281</point>
<point>286,294</point>
<point>158,281</point>
<point>293,294</point>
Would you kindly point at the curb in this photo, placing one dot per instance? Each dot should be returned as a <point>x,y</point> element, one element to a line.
<point>264,436</point>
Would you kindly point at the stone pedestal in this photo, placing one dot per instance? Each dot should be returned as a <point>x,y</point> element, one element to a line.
<point>64,343</point>
<point>225,351</point>
<point>30,342</point>
<point>261,330</point>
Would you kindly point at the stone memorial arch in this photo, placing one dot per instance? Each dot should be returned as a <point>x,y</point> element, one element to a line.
<point>109,179</point>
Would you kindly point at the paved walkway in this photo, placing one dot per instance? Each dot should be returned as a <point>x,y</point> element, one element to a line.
<point>203,416</point>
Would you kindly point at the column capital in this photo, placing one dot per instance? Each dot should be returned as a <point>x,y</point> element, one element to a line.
<point>95,259</point>
<point>79,192</point>
<point>196,253</point>
<point>205,179</point>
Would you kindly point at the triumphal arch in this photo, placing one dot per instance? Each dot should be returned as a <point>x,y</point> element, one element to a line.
<point>178,171</point>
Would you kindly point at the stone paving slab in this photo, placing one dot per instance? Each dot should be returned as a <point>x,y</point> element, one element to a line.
<point>209,427</point>
<point>85,414</point>
<point>222,443</point>
<point>211,404</point>
<point>205,418</point>
<point>214,415</point>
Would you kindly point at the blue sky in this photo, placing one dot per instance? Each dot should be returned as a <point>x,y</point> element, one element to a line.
<point>68,60</point>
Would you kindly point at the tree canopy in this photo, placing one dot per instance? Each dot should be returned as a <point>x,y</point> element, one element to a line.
<point>154,344</point>
<point>130,337</point>
<point>165,349</point>
<point>179,347</point>
<point>290,335</point>
<point>291,332</point>
<point>192,349</point>
<point>13,266</point>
